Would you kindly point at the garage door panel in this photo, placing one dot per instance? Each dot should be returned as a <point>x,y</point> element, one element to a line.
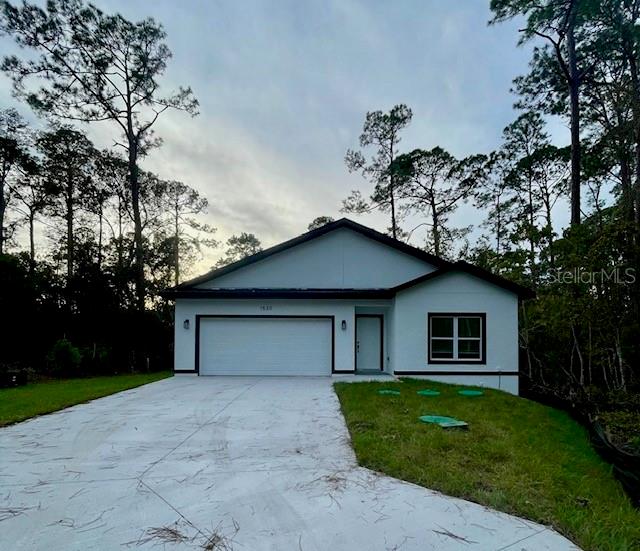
<point>265,346</point>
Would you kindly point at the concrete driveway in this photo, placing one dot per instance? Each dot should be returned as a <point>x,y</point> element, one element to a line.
<point>224,463</point>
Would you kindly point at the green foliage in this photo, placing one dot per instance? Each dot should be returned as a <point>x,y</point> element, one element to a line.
<point>581,335</point>
<point>239,247</point>
<point>97,360</point>
<point>434,183</point>
<point>184,236</point>
<point>381,132</point>
<point>319,222</point>
<point>624,427</point>
<point>582,331</point>
<point>119,230</point>
<point>64,359</point>
<point>14,160</point>
<point>68,168</point>
<point>84,64</point>
<point>518,456</point>
<point>119,80</point>
<point>110,334</point>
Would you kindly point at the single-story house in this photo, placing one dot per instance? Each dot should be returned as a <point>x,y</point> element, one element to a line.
<point>344,298</point>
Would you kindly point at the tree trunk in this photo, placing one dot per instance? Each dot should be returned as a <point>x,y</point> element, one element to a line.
<point>70,236</point>
<point>637,194</point>
<point>32,246</point>
<point>634,191</point>
<point>574,95</point>
<point>177,244</point>
<point>120,236</point>
<point>626,187</point>
<point>549,221</point>
<point>525,338</point>
<point>394,232</point>
<point>134,183</point>
<point>629,48</point>
<point>100,237</point>
<point>623,382</point>
<point>531,221</point>
<point>498,223</point>
<point>435,232</point>
<point>631,184</point>
<point>3,208</point>
<point>576,348</point>
<point>393,211</point>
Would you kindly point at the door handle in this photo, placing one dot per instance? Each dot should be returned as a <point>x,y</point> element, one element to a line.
<point>357,346</point>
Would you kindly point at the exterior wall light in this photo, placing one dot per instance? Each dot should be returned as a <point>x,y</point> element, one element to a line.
<point>185,324</point>
<point>344,325</point>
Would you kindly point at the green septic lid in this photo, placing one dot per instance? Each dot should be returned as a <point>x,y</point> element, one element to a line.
<point>428,392</point>
<point>389,392</point>
<point>469,392</point>
<point>442,421</point>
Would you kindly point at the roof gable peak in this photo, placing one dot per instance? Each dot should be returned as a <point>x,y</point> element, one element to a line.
<point>342,223</point>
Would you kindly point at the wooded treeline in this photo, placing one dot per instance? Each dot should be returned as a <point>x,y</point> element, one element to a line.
<point>581,337</point>
<point>102,235</point>
<point>72,203</point>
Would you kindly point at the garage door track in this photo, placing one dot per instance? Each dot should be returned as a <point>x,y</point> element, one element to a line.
<point>224,463</point>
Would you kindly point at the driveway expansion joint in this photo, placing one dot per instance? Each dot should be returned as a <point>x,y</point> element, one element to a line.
<point>200,427</point>
<point>543,529</point>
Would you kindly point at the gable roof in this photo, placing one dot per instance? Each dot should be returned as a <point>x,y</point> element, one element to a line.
<point>462,266</point>
<point>189,289</point>
<point>309,236</point>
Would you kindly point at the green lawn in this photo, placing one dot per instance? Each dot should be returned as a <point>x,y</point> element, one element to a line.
<point>518,456</point>
<point>18,404</point>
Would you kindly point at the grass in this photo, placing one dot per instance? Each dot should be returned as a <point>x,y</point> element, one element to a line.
<point>518,456</point>
<point>18,404</point>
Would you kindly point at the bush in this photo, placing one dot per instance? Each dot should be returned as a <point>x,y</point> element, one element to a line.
<point>624,428</point>
<point>64,359</point>
<point>97,360</point>
<point>11,375</point>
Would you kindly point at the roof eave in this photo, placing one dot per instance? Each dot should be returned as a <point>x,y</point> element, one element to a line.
<point>191,293</point>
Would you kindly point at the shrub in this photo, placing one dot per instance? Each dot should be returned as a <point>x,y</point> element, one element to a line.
<point>624,427</point>
<point>64,359</point>
<point>97,360</point>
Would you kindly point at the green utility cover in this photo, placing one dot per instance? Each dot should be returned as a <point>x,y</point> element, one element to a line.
<point>469,392</point>
<point>389,392</point>
<point>444,422</point>
<point>428,392</point>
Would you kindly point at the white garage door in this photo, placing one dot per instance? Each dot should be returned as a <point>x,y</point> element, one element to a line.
<point>265,346</point>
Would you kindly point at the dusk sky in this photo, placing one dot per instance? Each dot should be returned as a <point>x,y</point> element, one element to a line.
<point>284,87</point>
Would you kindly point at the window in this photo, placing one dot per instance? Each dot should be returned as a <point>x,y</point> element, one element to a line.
<point>456,338</point>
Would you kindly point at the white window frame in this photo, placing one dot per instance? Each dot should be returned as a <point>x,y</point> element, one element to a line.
<point>456,359</point>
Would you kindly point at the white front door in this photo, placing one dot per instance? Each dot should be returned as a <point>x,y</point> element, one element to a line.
<point>368,343</point>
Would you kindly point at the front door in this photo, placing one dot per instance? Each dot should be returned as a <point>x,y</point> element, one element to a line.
<point>369,343</point>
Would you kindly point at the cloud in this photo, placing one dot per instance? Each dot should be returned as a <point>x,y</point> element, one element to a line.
<point>284,88</point>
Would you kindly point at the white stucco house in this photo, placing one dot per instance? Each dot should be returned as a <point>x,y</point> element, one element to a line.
<point>347,299</point>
